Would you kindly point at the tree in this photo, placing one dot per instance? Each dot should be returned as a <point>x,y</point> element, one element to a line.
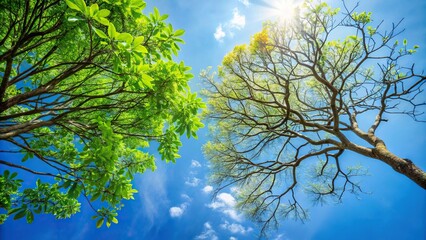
<point>86,86</point>
<point>288,106</point>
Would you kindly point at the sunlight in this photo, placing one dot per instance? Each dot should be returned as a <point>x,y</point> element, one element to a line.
<point>281,10</point>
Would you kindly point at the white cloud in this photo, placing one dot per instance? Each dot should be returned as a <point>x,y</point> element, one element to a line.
<point>216,205</point>
<point>195,164</point>
<point>244,2</point>
<point>232,213</point>
<point>193,182</point>
<point>176,212</point>
<point>225,203</point>
<point>219,34</point>
<point>207,189</point>
<point>233,238</point>
<point>207,225</point>
<point>186,197</point>
<point>279,237</point>
<point>236,228</point>
<point>208,233</point>
<point>223,200</point>
<point>227,198</point>
<point>238,21</point>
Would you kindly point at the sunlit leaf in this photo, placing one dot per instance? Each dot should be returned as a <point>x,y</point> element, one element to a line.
<point>99,32</point>
<point>125,37</point>
<point>138,40</point>
<point>103,13</point>
<point>73,5</point>
<point>81,4</point>
<point>112,33</point>
<point>141,49</point>
<point>99,223</point>
<point>179,32</point>
<point>94,8</point>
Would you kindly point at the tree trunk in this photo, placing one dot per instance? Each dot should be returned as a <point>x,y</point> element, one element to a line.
<point>401,165</point>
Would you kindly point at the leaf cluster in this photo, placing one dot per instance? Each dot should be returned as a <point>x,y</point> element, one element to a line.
<point>86,87</point>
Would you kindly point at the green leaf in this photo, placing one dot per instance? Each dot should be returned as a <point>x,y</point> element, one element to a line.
<point>125,37</point>
<point>81,4</point>
<point>194,134</point>
<point>114,220</point>
<point>112,33</point>
<point>12,211</point>
<point>174,50</point>
<point>146,79</point>
<point>405,42</point>
<point>71,191</point>
<point>95,196</point>
<point>189,76</point>
<point>72,5</point>
<point>144,67</point>
<point>140,49</point>
<point>99,32</point>
<point>20,214</point>
<point>179,32</point>
<point>66,184</point>
<point>138,40</point>
<point>103,13</point>
<point>99,223</point>
<point>30,216</point>
<point>371,30</point>
<point>137,4</point>
<point>102,21</point>
<point>156,13</point>
<point>94,8</point>
<point>13,175</point>
<point>25,158</point>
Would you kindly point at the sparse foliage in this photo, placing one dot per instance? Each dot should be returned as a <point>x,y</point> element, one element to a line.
<point>287,107</point>
<point>86,86</point>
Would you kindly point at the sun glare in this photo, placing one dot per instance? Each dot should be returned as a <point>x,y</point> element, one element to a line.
<point>281,10</point>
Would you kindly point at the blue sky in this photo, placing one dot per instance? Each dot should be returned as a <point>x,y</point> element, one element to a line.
<point>175,201</point>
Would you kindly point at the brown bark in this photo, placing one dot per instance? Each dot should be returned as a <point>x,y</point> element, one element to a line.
<point>401,165</point>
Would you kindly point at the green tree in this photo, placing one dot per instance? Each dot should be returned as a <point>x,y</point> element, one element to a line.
<point>287,106</point>
<point>86,86</point>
